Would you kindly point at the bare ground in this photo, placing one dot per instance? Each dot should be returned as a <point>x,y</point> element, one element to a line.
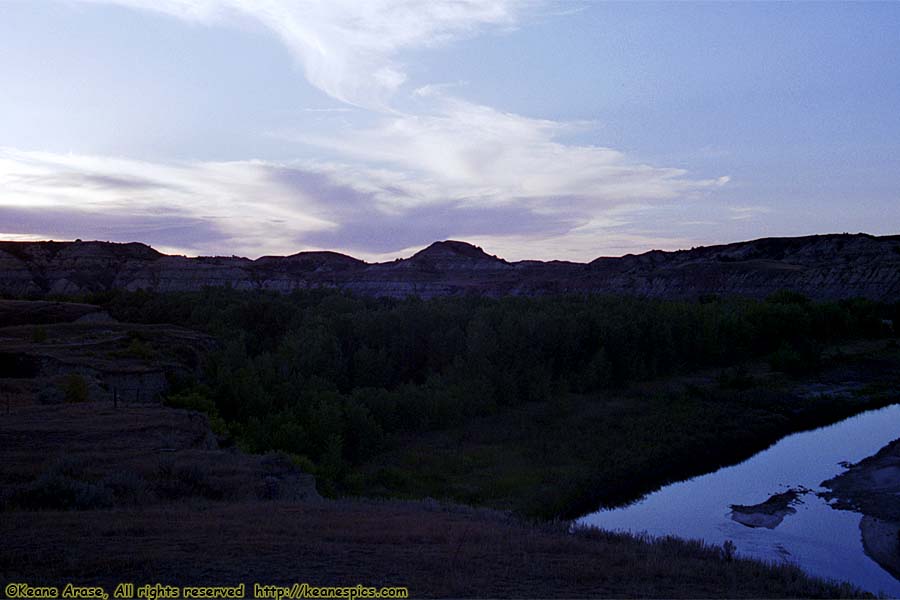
<point>880,541</point>
<point>872,487</point>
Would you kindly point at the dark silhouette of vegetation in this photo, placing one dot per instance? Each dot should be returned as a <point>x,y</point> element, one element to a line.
<point>75,388</point>
<point>39,334</point>
<point>335,379</point>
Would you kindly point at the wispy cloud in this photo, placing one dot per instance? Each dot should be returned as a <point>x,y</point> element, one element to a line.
<point>208,202</point>
<point>741,213</point>
<point>256,207</point>
<point>462,151</point>
<point>348,48</point>
<point>410,162</point>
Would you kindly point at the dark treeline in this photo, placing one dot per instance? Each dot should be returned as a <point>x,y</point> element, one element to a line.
<point>333,378</point>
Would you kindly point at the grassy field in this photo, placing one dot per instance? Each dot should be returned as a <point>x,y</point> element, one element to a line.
<point>434,550</point>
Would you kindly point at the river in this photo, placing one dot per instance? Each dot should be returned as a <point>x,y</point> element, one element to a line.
<point>819,539</point>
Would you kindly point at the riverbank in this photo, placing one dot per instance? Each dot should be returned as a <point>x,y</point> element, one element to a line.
<point>880,540</point>
<point>780,487</point>
<point>872,487</point>
<point>153,500</point>
<point>579,453</point>
<point>172,501</point>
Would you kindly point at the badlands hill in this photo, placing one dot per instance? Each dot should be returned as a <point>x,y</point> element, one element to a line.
<point>821,266</point>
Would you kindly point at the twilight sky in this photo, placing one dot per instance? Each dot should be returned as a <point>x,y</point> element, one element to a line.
<point>535,129</point>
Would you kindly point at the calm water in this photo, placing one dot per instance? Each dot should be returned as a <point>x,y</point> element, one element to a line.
<point>821,540</point>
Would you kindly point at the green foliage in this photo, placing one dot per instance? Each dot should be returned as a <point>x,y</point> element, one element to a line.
<point>787,297</point>
<point>197,398</point>
<point>736,379</point>
<point>175,481</point>
<point>192,399</point>
<point>139,349</point>
<point>795,359</point>
<point>336,379</point>
<point>39,334</point>
<point>62,487</point>
<point>75,388</point>
<point>303,463</point>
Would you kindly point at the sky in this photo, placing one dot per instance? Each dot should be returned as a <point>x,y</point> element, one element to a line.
<point>535,129</point>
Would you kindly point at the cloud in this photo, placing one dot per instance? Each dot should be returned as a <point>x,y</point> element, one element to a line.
<point>742,213</point>
<point>347,48</point>
<point>465,152</point>
<point>572,245</point>
<point>225,205</point>
<point>386,179</point>
<point>366,229</point>
<point>255,207</point>
<point>167,232</point>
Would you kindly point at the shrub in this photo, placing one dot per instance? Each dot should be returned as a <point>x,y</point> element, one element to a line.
<point>736,379</point>
<point>196,399</point>
<point>139,349</point>
<point>127,487</point>
<point>183,481</point>
<point>787,297</point>
<point>39,335</point>
<point>51,395</point>
<point>55,491</point>
<point>303,463</point>
<point>61,487</point>
<point>728,550</point>
<point>75,388</point>
<point>795,360</point>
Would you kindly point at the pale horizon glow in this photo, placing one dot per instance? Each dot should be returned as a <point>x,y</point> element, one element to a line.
<point>534,129</point>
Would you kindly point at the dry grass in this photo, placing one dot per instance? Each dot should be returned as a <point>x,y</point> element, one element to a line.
<point>190,537</point>
<point>142,454</point>
<point>436,551</point>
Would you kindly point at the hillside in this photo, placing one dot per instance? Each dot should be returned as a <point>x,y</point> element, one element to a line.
<point>98,494</point>
<point>105,484</point>
<point>821,267</point>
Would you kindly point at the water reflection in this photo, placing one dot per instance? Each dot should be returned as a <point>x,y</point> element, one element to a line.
<point>821,540</point>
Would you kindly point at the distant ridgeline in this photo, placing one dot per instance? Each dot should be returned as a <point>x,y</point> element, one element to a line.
<point>820,267</point>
